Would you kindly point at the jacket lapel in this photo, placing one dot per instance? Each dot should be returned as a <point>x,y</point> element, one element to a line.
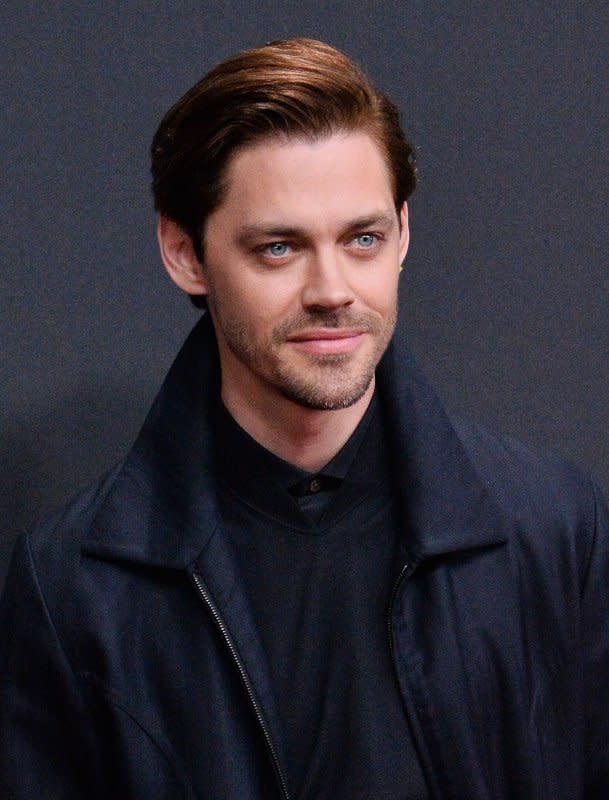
<point>162,510</point>
<point>444,505</point>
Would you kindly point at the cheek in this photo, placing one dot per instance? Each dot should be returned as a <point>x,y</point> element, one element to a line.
<point>258,312</point>
<point>380,290</point>
<point>270,296</point>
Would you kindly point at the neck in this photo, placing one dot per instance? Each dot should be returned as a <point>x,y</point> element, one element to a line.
<point>305,437</point>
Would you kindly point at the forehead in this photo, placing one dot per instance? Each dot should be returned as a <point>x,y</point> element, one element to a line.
<point>342,174</point>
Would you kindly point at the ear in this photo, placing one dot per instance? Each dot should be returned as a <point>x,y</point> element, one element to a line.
<point>179,257</point>
<point>404,232</point>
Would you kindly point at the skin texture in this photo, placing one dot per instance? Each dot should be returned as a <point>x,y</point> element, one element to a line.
<point>301,270</point>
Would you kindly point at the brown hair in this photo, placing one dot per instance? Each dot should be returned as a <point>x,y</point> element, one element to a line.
<point>294,87</point>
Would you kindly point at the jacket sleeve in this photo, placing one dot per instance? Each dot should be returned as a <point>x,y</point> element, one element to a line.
<point>43,730</point>
<point>595,643</point>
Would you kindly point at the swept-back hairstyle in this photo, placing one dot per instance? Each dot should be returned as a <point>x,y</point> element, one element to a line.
<point>293,87</point>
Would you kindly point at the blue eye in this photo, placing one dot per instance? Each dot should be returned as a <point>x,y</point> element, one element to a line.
<point>365,240</point>
<point>277,249</point>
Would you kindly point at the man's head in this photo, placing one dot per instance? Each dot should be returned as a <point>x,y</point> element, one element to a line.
<point>296,88</point>
<point>281,181</point>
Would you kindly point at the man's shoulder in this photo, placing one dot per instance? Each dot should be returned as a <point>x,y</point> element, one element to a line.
<point>54,544</point>
<point>532,483</point>
<point>46,574</point>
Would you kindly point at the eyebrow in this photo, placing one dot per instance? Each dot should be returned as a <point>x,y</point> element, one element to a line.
<point>249,233</point>
<point>382,218</point>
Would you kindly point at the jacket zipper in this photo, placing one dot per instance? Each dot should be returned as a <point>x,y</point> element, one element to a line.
<point>247,684</point>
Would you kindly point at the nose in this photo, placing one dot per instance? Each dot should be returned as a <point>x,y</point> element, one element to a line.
<point>326,285</point>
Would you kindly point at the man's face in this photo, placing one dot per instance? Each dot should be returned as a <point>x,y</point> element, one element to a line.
<point>301,270</point>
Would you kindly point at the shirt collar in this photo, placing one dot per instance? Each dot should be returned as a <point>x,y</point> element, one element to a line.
<point>240,455</point>
<point>270,484</point>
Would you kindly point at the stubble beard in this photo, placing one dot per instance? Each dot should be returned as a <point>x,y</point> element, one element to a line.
<point>315,381</point>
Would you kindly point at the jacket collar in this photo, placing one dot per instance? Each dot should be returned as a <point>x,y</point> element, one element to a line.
<point>162,508</point>
<point>442,498</point>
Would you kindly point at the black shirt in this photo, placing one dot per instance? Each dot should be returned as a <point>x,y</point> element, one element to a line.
<point>317,552</point>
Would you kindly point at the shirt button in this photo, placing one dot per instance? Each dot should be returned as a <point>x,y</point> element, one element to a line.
<point>315,485</point>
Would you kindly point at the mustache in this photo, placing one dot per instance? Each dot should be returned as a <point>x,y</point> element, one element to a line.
<point>343,318</point>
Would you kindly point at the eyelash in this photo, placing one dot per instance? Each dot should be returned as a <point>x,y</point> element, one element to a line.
<point>265,249</point>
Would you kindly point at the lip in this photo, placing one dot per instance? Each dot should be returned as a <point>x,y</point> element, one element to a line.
<point>332,341</point>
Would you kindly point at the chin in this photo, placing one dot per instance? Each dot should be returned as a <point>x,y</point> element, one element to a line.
<point>320,397</point>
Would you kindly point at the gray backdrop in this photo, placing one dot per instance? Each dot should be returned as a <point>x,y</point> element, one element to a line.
<point>506,289</point>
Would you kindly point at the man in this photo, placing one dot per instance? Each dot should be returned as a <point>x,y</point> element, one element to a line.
<point>305,580</point>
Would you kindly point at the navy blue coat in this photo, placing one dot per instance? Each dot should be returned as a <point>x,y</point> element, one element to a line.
<point>131,666</point>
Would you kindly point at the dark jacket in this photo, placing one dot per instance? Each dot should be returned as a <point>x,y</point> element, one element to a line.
<point>131,666</point>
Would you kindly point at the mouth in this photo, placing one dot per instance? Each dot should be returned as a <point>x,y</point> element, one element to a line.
<point>331,341</point>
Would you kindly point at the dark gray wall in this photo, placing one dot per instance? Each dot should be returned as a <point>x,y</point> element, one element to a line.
<point>506,290</point>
